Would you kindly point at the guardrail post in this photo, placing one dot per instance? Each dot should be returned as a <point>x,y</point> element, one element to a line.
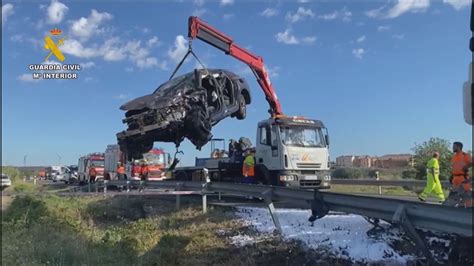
<point>128,185</point>
<point>267,196</point>
<point>377,178</point>
<point>105,186</point>
<point>204,190</point>
<point>400,217</point>
<point>178,197</point>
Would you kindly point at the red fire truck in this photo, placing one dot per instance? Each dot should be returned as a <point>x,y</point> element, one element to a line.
<point>155,160</point>
<point>91,163</point>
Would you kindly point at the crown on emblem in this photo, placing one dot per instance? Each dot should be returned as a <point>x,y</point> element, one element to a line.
<point>55,31</point>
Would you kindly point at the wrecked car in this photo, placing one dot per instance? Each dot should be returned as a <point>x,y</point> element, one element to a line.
<point>184,107</point>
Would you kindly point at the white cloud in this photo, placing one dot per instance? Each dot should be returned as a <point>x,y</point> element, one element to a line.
<point>75,48</point>
<point>226,2</point>
<point>198,2</point>
<point>375,13</point>
<point>27,78</point>
<point>343,14</point>
<point>400,8</point>
<point>56,12</point>
<point>303,1</point>
<point>85,28</point>
<point>458,4</point>
<point>17,38</point>
<point>122,96</point>
<point>227,16</point>
<point>308,39</point>
<point>179,49</point>
<point>115,49</point>
<point>199,12</point>
<point>153,42</point>
<point>398,36</point>
<point>287,37</point>
<point>361,39</point>
<point>7,10</point>
<point>87,65</point>
<point>300,14</point>
<point>404,6</point>
<point>359,52</point>
<point>269,12</point>
<point>383,28</point>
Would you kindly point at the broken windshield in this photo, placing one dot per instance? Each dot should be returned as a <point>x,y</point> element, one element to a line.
<point>165,87</point>
<point>302,136</point>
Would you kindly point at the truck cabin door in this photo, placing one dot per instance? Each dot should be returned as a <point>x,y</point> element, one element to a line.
<point>267,153</point>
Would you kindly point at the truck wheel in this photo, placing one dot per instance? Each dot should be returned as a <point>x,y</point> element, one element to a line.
<point>242,112</point>
<point>181,176</point>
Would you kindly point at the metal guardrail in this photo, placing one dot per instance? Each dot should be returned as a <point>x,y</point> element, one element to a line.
<point>388,183</point>
<point>420,215</point>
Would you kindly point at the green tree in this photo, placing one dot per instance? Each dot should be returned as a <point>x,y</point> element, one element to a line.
<point>424,152</point>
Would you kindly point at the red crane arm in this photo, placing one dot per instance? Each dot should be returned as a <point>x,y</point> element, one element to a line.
<point>203,31</point>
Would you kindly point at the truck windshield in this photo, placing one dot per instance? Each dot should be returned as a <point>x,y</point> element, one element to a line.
<point>154,159</point>
<point>97,163</point>
<point>302,136</point>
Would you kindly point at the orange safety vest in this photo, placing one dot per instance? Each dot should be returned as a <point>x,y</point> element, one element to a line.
<point>458,162</point>
<point>92,172</point>
<point>121,170</point>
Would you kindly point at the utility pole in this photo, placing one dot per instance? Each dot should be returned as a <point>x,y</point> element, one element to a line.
<point>59,156</point>
<point>24,159</point>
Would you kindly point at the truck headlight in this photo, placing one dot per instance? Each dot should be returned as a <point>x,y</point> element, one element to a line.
<point>287,178</point>
<point>327,177</point>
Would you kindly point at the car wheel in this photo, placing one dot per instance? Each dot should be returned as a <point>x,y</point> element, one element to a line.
<point>242,112</point>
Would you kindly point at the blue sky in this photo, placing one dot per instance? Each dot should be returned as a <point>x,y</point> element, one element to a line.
<point>382,75</point>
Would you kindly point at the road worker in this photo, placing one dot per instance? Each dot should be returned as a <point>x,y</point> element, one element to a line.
<point>136,169</point>
<point>461,162</point>
<point>432,180</point>
<point>144,173</point>
<point>248,167</point>
<point>92,175</point>
<point>120,171</point>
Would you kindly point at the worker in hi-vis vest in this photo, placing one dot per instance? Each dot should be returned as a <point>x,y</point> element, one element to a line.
<point>432,180</point>
<point>248,167</point>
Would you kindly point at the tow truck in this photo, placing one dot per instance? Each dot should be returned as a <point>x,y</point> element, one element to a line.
<point>290,150</point>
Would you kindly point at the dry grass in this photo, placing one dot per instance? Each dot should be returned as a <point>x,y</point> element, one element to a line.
<point>135,230</point>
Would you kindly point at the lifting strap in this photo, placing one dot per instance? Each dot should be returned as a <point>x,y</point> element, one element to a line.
<point>190,51</point>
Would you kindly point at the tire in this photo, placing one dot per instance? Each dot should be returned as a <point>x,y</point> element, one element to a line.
<point>199,123</point>
<point>182,176</point>
<point>242,112</point>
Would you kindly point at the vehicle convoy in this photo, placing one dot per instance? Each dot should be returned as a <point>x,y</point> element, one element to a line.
<point>154,159</point>
<point>186,106</point>
<point>90,164</point>
<point>290,150</point>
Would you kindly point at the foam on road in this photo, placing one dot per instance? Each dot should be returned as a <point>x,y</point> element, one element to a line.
<point>345,235</point>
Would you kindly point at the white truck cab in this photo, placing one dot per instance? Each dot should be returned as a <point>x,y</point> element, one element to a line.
<point>293,151</point>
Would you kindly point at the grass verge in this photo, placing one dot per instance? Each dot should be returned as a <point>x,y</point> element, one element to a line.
<point>132,230</point>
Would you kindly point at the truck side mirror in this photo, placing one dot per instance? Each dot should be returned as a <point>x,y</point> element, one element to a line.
<point>326,137</point>
<point>467,98</point>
